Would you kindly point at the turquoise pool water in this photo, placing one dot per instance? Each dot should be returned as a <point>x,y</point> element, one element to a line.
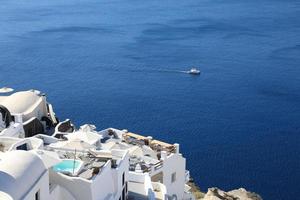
<point>67,166</point>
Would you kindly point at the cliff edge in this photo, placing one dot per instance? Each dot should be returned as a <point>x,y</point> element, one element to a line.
<point>217,194</point>
<point>238,194</point>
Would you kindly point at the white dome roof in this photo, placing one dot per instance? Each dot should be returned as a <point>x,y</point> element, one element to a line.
<point>5,196</point>
<point>19,102</point>
<point>19,171</point>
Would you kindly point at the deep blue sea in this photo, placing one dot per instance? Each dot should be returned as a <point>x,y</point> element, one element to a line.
<point>116,63</point>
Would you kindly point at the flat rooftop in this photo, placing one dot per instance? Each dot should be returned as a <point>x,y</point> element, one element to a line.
<point>93,161</point>
<point>144,151</point>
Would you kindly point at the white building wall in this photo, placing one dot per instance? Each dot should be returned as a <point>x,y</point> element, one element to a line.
<point>106,185</point>
<point>102,186</point>
<point>78,187</point>
<point>60,193</point>
<point>109,183</point>
<point>117,177</point>
<point>174,163</point>
<point>14,130</point>
<point>118,174</point>
<point>143,178</point>
<point>42,187</point>
<point>38,110</point>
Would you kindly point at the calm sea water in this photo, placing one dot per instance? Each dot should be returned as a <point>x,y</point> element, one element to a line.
<point>116,64</point>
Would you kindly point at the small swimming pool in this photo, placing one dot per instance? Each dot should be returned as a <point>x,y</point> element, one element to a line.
<point>68,165</point>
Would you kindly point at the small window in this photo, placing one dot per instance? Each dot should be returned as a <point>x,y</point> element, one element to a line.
<point>173,177</point>
<point>123,194</point>
<point>37,195</point>
<point>22,147</point>
<point>123,178</point>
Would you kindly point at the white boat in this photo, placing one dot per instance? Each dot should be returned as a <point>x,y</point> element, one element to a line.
<point>194,71</point>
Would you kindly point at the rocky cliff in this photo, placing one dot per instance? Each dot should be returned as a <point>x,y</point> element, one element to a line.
<point>238,194</point>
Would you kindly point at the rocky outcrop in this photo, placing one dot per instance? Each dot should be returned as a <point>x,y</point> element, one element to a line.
<point>239,194</point>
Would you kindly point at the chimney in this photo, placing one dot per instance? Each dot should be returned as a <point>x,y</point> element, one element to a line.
<point>176,148</point>
<point>163,155</point>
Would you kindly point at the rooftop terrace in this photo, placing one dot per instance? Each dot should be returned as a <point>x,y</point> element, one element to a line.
<point>92,161</point>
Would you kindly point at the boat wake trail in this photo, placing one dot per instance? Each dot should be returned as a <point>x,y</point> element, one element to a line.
<point>155,70</point>
<point>169,71</point>
<point>193,71</point>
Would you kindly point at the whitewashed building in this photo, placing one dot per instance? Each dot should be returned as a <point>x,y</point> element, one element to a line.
<point>23,175</point>
<point>62,163</point>
<point>26,113</point>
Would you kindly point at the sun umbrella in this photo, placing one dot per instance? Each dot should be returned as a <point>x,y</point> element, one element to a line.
<point>88,137</point>
<point>78,145</point>
<point>49,158</point>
